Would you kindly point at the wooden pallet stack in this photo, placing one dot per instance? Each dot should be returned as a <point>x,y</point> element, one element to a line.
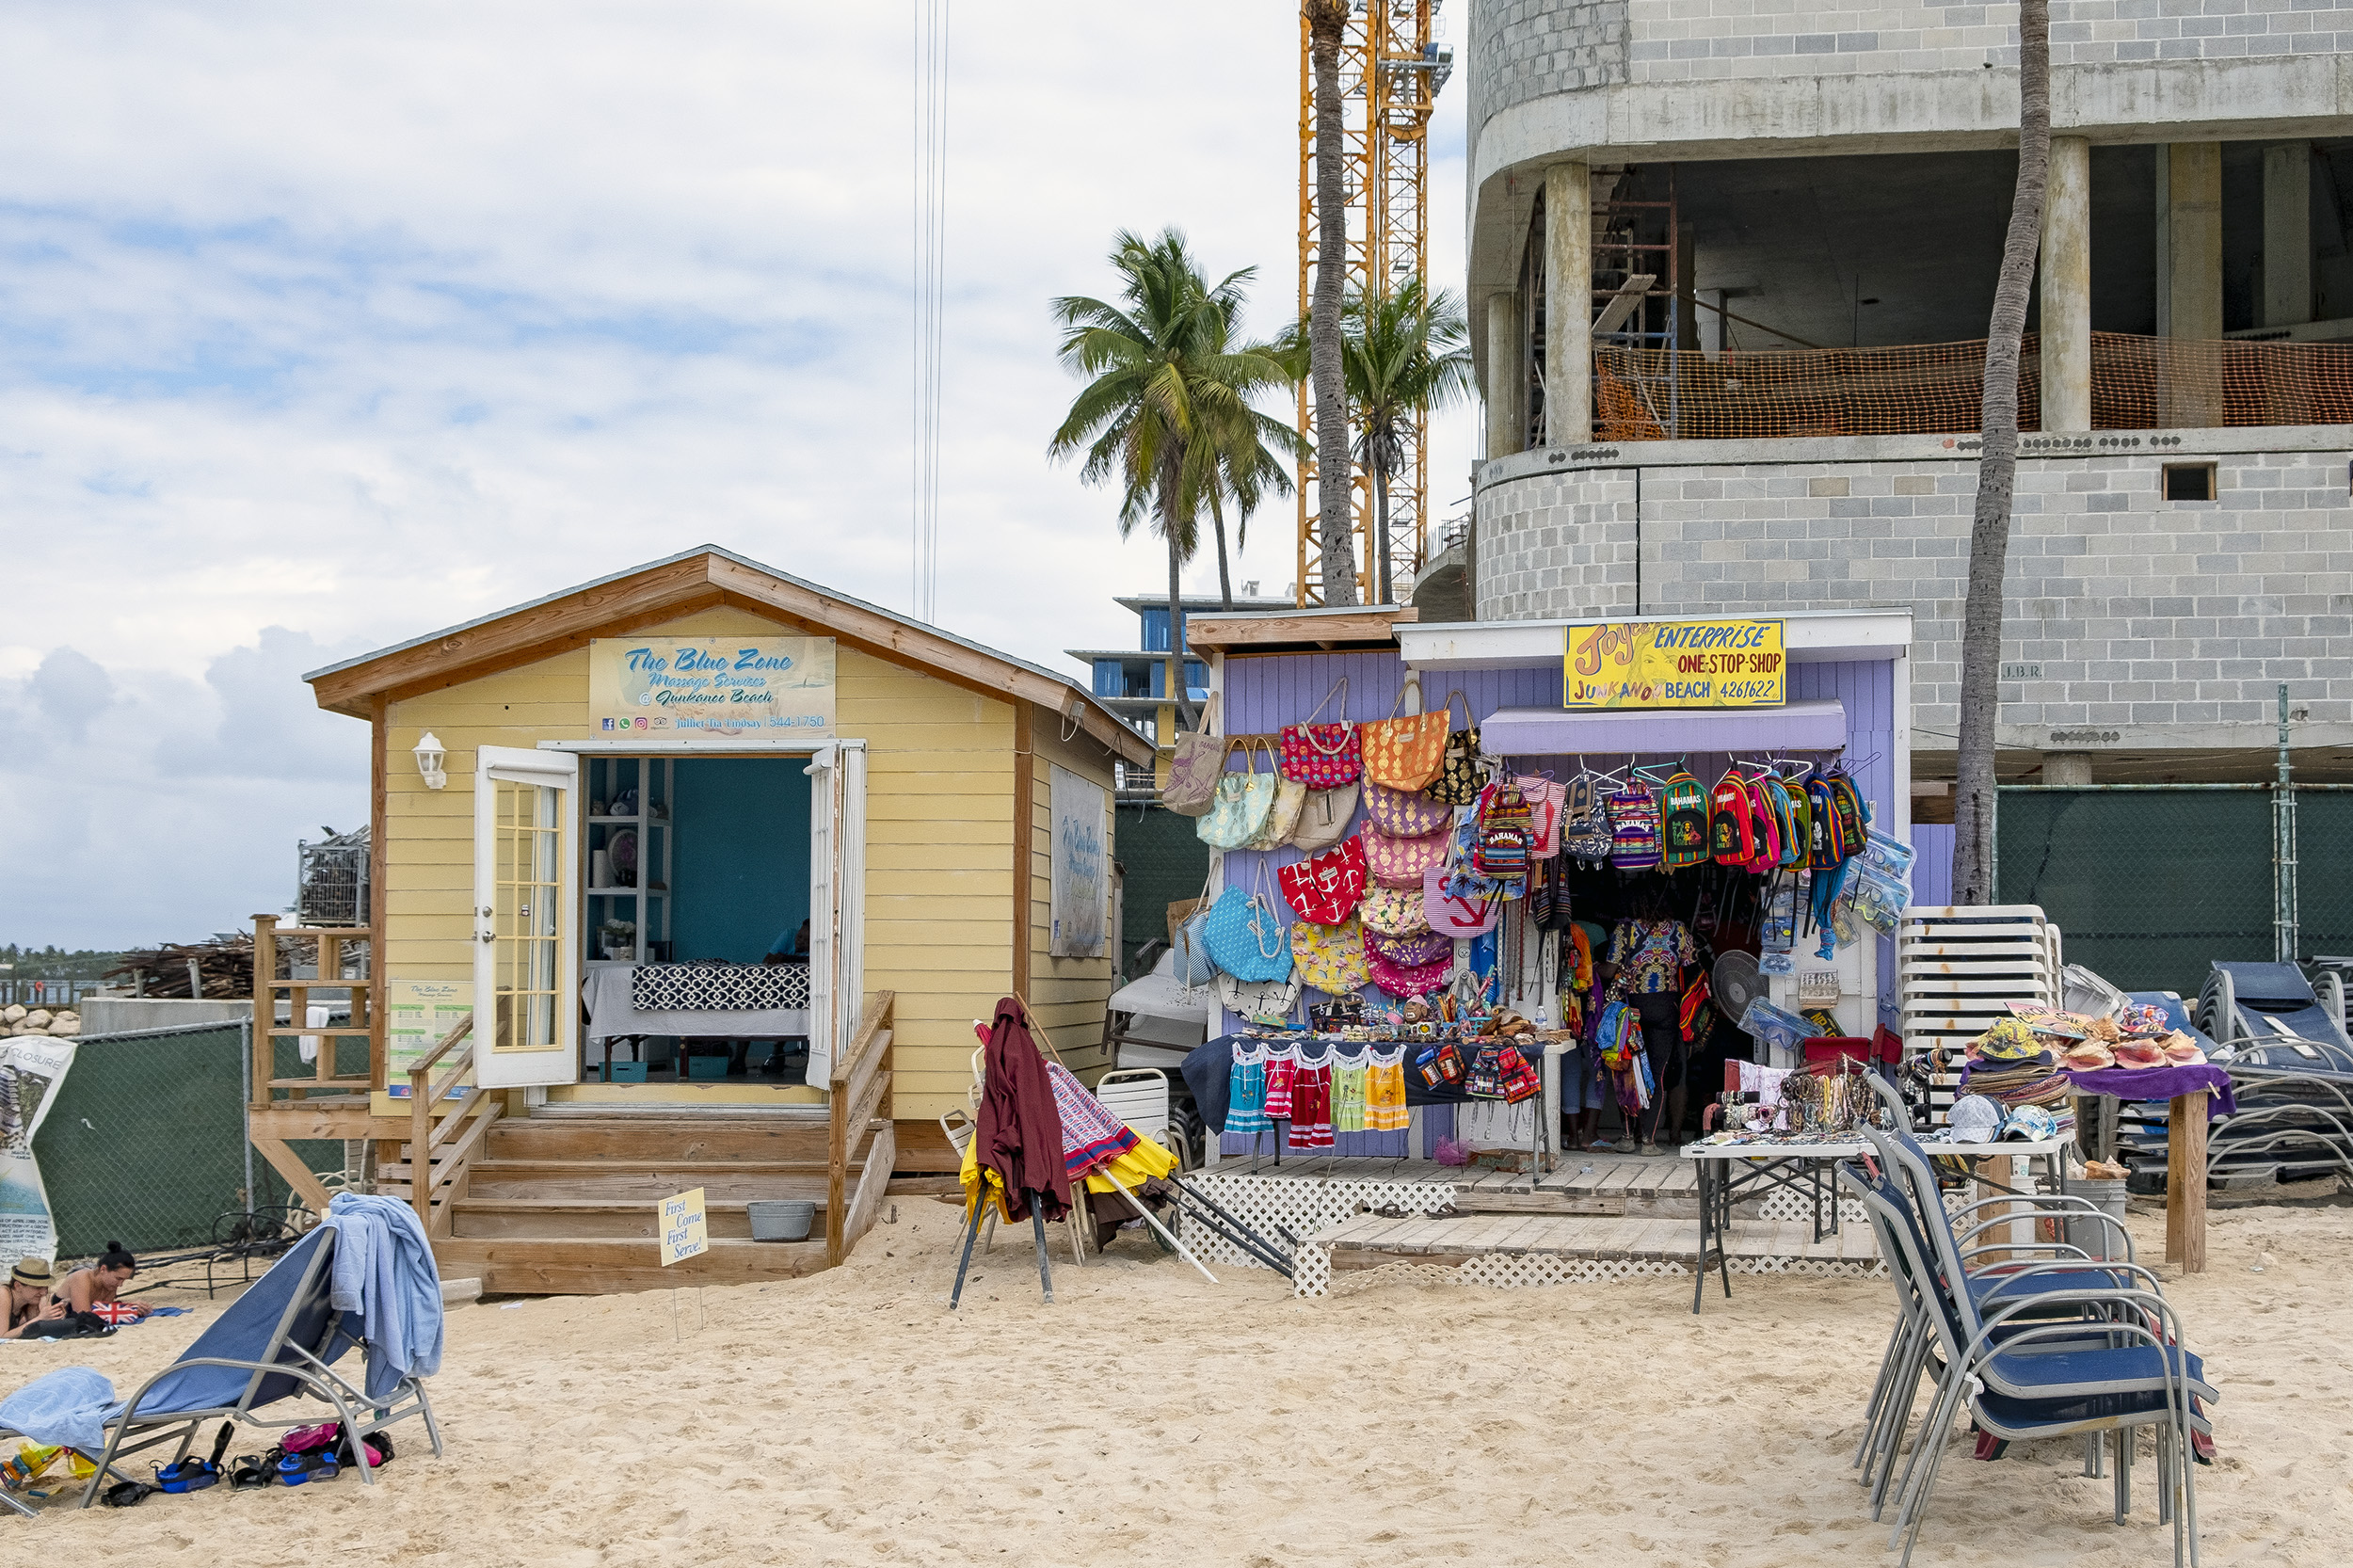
<point>1960,966</point>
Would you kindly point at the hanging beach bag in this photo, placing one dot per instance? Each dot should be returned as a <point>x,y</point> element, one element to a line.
<point>1248,939</point>
<point>1410,952</point>
<point>1192,966</point>
<point>1282,815</point>
<point>1394,911</point>
<point>1323,756</point>
<point>1460,771</point>
<point>1194,767</point>
<point>1330,957</point>
<point>1585,822</point>
<point>1403,753</point>
<point>1327,889</point>
<point>1325,818</point>
<point>1403,862</point>
<point>1245,797</point>
<point>1403,813</point>
<point>1261,1001</point>
<point>1457,914</point>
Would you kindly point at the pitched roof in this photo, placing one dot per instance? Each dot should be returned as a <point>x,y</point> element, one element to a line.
<point>678,585</point>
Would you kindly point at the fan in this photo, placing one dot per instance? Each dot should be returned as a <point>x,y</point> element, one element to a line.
<point>1737,981</point>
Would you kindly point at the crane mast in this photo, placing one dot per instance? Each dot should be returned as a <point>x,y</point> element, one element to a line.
<point>1391,69</point>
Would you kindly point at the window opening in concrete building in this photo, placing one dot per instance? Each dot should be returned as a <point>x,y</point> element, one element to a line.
<point>2189,482</point>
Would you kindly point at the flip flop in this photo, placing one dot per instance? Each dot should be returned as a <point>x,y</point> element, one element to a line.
<point>125,1494</point>
<point>248,1472</point>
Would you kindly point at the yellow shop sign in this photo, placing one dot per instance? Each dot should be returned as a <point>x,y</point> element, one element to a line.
<point>1676,663</point>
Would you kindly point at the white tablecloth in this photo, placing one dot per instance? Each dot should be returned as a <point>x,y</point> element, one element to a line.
<point>606,992</point>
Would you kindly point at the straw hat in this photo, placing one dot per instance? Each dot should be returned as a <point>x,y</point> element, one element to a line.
<point>31,1271</point>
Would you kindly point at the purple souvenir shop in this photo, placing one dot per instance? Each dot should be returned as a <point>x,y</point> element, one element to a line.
<point>1593,778</point>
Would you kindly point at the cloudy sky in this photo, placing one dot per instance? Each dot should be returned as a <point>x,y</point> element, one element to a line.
<point>325,326</point>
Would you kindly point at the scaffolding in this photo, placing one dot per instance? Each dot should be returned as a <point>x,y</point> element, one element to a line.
<point>1391,69</point>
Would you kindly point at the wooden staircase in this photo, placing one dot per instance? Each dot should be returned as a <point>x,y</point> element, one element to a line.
<point>563,1204</point>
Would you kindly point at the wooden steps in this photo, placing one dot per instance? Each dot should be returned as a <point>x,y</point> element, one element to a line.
<point>601,1218</point>
<point>593,1266</point>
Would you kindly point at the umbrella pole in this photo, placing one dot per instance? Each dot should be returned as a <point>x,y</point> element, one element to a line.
<point>1037,1234</point>
<point>971,1230</point>
<point>1155,1225</point>
<point>1227,1225</point>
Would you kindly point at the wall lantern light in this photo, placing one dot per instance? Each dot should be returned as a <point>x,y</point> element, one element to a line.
<point>429,761</point>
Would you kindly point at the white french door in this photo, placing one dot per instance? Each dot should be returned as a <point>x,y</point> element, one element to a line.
<point>836,902</point>
<point>526,957</point>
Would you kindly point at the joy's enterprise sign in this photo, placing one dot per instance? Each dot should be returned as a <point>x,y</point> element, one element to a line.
<point>1676,663</point>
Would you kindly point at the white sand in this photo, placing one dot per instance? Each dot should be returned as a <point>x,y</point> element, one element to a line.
<point>1149,1417</point>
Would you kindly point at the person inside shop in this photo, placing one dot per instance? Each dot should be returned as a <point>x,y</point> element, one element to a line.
<point>792,949</point>
<point>29,1301</point>
<point>1650,956</point>
<point>97,1287</point>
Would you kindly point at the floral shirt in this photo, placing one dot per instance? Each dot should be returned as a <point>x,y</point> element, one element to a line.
<point>1650,956</point>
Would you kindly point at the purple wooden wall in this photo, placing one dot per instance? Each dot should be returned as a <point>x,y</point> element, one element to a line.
<point>1265,692</point>
<point>1933,872</point>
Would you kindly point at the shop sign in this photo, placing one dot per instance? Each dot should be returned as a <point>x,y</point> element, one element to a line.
<point>1676,663</point>
<point>418,1015</point>
<point>1079,899</point>
<point>714,689</point>
<point>685,1228</point>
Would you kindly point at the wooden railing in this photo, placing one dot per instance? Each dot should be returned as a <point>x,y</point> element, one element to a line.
<point>860,1104</point>
<point>459,1134</point>
<point>267,1031</point>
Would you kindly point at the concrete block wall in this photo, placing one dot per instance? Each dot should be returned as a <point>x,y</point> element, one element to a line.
<point>1525,49</point>
<point>2154,623</point>
<point>2109,32</point>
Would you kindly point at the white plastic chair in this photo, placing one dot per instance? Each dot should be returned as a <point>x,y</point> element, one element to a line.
<point>959,1127</point>
<point>1140,1097</point>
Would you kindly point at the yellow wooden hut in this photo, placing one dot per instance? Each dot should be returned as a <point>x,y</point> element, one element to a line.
<point>715,867</point>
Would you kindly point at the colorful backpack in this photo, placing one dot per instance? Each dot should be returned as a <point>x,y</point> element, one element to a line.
<point>1683,814</point>
<point>1775,794</point>
<point>1633,830</point>
<point>1799,851</point>
<point>1828,851</point>
<point>1731,824</point>
<point>1766,827</point>
<point>1500,851</point>
<point>1853,821</point>
<point>1585,823</point>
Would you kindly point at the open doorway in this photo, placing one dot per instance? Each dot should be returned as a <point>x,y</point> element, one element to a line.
<point>697,920</point>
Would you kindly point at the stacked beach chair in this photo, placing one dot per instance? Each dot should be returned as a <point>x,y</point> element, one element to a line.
<point>1959,968</point>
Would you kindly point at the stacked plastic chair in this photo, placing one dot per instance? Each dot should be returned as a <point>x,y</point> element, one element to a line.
<point>1959,967</point>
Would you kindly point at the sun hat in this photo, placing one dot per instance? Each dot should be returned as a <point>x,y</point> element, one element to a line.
<point>1976,1119</point>
<point>2031,1123</point>
<point>32,1270</point>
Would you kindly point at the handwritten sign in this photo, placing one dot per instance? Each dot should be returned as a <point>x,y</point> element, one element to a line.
<point>1676,663</point>
<point>1078,890</point>
<point>716,688</point>
<point>684,1234</point>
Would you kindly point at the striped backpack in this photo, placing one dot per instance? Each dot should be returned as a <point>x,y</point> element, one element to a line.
<point>1633,830</point>
<point>1683,820</point>
<point>1731,822</point>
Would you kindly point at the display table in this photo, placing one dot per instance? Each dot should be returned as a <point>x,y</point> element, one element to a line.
<point>1808,1167</point>
<point>611,1016</point>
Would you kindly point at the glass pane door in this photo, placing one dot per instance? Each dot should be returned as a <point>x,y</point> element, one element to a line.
<point>527,915</point>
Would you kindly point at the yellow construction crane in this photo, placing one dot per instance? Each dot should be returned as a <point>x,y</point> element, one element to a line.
<point>1391,69</point>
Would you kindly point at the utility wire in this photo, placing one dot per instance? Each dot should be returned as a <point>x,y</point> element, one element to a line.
<point>929,291</point>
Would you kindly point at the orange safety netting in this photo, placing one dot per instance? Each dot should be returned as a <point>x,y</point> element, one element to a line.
<point>1648,394</point>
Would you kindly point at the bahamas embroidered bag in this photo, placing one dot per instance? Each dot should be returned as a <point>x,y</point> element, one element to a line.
<point>1460,772</point>
<point>1410,952</point>
<point>1502,1073</point>
<point>1327,889</point>
<point>1330,957</point>
<point>1403,753</point>
<point>1400,981</point>
<point>1394,911</point>
<point>1403,813</point>
<point>1438,1064</point>
<point>1194,767</point>
<point>1282,816</point>
<point>1323,756</point>
<point>1244,798</point>
<point>1248,939</point>
<point>1403,862</point>
<point>1325,817</point>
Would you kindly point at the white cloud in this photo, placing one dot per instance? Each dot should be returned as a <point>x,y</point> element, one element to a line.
<point>344,323</point>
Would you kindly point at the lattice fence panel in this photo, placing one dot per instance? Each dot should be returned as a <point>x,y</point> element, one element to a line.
<point>1302,1207</point>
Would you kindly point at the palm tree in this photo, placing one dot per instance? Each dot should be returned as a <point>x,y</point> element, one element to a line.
<point>1167,393</point>
<point>1407,353</point>
<point>1997,471</point>
<point>1326,22</point>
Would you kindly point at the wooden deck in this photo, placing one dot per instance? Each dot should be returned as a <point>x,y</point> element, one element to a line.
<point>1654,1186</point>
<point>1370,1241</point>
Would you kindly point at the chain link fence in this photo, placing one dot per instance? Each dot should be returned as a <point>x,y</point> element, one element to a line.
<point>144,1142</point>
<point>1161,861</point>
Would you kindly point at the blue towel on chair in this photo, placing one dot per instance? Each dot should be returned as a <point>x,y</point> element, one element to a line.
<point>69,1406</point>
<point>384,1272</point>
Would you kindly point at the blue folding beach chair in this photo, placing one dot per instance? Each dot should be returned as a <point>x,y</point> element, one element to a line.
<point>279,1339</point>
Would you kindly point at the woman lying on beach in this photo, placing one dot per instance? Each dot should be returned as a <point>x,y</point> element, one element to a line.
<point>95,1288</point>
<point>29,1302</point>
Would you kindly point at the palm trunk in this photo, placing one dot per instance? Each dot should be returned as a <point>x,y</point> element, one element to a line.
<point>1334,537</point>
<point>1171,464</point>
<point>1997,471</point>
<point>1380,527</point>
<point>1217,521</point>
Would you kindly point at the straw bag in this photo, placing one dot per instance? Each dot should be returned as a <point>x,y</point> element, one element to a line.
<point>1460,772</point>
<point>1243,800</point>
<point>1330,957</point>
<point>1327,889</point>
<point>1290,797</point>
<point>1410,952</point>
<point>1401,862</point>
<point>1456,915</point>
<point>1325,818</point>
<point>1404,814</point>
<point>1194,767</point>
<point>1323,756</point>
<point>1246,938</point>
<point>1262,1001</point>
<point>1400,981</point>
<point>1403,753</point>
<point>1394,911</point>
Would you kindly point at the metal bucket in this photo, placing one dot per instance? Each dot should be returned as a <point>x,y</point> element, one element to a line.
<point>2106,1194</point>
<point>781,1219</point>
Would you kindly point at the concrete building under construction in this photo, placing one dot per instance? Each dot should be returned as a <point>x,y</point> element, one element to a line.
<point>1788,222</point>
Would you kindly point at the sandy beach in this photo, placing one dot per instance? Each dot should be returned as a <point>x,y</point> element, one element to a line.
<point>849,1418</point>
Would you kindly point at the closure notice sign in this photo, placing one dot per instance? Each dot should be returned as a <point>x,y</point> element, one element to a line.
<point>1676,663</point>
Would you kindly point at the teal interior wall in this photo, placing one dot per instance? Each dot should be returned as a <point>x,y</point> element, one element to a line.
<point>740,870</point>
